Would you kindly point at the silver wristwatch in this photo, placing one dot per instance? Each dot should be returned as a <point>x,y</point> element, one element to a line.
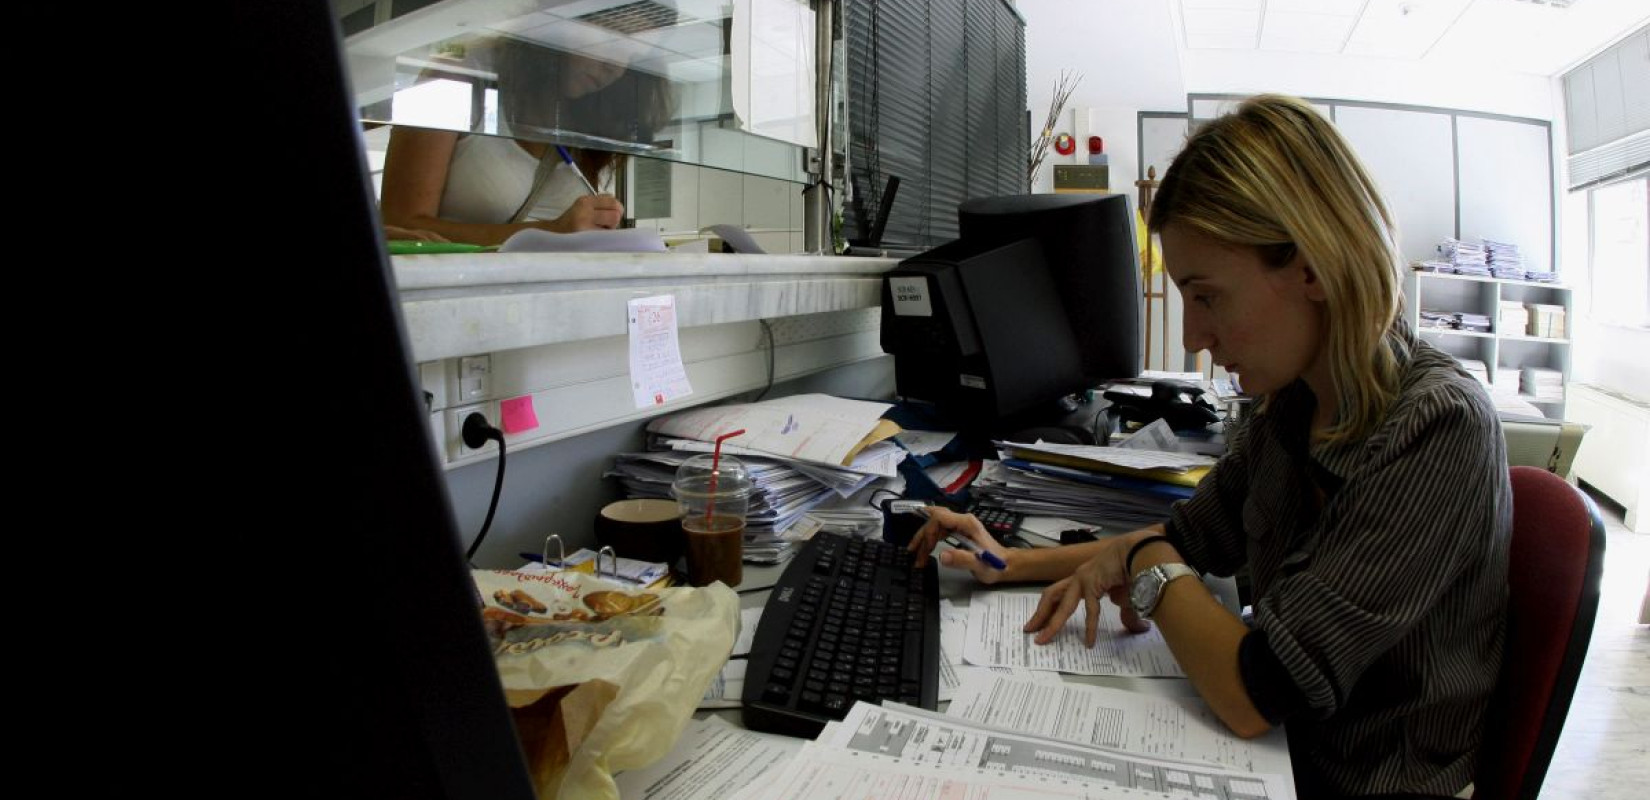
<point>1147,590</point>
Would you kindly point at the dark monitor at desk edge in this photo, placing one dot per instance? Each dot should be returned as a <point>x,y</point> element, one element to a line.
<point>1039,298</point>
<point>400,695</point>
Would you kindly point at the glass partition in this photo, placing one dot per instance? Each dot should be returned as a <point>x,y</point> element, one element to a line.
<point>718,83</point>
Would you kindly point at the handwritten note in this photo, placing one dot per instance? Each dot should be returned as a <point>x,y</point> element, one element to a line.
<point>656,372</point>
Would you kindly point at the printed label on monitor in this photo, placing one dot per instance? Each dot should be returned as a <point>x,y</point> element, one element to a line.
<point>910,293</point>
<point>972,381</point>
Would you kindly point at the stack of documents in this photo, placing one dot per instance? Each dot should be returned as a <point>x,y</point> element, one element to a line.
<point>780,494</point>
<point>1466,257</point>
<point>811,428</point>
<point>1512,317</point>
<point>1543,384</point>
<point>1546,320</point>
<point>1128,486</point>
<point>800,450</point>
<point>1475,368</point>
<point>1504,260</point>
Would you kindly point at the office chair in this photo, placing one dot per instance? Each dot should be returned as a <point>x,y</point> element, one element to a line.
<point>1555,565</point>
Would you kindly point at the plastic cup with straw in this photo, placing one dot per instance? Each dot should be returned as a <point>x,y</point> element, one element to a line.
<point>713,493</point>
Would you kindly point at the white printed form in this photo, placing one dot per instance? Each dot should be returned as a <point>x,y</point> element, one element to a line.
<point>656,372</point>
<point>901,752</point>
<point>1181,728</point>
<point>996,638</point>
<point>712,760</point>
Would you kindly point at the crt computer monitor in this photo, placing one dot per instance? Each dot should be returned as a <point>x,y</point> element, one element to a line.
<point>1038,298</point>
<point>399,693</point>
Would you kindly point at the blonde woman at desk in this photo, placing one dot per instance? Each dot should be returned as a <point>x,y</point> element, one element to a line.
<point>1368,495</point>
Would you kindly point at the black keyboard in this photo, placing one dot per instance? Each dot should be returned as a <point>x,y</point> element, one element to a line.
<point>849,620</point>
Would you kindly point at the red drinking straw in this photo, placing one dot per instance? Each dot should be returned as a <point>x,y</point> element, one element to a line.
<point>715,465</point>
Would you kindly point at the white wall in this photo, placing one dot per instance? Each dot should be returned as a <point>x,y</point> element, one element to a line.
<point>1128,55</point>
<point>1432,82</point>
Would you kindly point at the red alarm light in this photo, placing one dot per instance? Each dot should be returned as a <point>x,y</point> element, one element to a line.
<point>1096,146</point>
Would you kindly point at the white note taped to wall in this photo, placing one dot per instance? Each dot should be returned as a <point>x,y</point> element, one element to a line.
<point>656,372</point>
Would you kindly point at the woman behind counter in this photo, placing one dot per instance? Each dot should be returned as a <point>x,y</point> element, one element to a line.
<point>482,189</point>
<point>1368,494</point>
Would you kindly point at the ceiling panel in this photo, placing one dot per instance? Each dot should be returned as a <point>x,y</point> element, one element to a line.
<point>1298,32</point>
<point>1402,28</point>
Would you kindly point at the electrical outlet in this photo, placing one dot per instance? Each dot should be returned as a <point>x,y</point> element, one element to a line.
<point>455,429</point>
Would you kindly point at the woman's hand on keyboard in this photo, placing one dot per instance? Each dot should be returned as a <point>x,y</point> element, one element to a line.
<point>943,522</point>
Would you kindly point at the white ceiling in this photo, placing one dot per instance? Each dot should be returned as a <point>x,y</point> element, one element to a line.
<point>1537,37</point>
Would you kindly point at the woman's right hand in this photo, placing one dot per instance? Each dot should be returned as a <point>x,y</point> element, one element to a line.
<point>943,522</point>
<point>589,212</point>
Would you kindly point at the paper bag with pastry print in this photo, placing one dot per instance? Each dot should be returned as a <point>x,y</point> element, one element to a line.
<point>600,677</point>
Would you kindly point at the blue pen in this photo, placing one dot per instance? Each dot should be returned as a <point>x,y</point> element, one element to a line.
<point>568,157</point>
<point>992,559</point>
<point>916,507</point>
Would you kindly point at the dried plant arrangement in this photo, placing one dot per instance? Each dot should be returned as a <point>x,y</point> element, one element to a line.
<point>1063,87</point>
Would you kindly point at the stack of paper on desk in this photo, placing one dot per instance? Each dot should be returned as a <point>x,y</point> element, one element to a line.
<point>781,494</point>
<point>1129,486</point>
<point>1184,469</point>
<point>816,428</point>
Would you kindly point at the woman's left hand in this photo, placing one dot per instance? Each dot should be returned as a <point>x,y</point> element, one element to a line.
<point>1103,574</point>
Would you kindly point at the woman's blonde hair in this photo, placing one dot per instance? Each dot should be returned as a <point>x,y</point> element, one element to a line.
<point>1276,176</point>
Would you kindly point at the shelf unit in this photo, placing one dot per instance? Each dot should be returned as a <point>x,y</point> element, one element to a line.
<point>1504,353</point>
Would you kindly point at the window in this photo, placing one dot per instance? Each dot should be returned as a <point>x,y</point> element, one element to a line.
<point>1620,272</point>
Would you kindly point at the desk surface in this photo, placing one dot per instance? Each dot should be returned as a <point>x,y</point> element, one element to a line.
<point>957,586</point>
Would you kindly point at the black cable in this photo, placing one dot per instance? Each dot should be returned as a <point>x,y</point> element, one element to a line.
<point>476,432</point>
<point>768,330</point>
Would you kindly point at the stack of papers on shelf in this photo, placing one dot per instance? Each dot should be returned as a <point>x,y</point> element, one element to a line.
<point>1466,257</point>
<point>1543,384</point>
<point>1475,368</point>
<point>1540,276</point>
<point>1432,265</point>
<point>1512,317</point>
<point>1468,321</point>
<point>1503,260</point>
<point>1506,384</point>
<point>1546,320</point>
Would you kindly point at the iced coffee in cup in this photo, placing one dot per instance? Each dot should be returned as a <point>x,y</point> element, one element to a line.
<point>714,494</point>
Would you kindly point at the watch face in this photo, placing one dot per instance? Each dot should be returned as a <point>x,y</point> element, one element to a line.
<point>1143,593</point>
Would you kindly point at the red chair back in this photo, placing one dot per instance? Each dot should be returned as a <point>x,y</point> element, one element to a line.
<point>1554,569</point>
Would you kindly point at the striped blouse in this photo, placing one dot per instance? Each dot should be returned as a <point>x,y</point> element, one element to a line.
<point>1384,603</point>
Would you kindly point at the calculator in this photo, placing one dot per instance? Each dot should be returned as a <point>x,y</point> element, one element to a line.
<point>998,521</point>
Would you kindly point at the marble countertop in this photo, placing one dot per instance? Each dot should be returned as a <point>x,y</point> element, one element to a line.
<point>463,304</point>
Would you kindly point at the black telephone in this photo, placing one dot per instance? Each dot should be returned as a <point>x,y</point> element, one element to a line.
<point>1181,404</point>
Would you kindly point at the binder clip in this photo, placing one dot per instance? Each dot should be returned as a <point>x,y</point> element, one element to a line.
<point>614,559</point>
<point>561,554</point>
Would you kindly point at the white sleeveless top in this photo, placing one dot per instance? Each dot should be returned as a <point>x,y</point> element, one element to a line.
<point>491,176</point>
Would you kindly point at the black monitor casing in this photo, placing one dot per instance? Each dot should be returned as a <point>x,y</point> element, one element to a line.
<point>1039,299</point>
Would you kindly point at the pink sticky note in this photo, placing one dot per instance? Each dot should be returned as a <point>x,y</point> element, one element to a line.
<point>518,414</point>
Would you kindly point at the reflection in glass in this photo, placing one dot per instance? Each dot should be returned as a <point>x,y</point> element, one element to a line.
<point>460,64</point>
